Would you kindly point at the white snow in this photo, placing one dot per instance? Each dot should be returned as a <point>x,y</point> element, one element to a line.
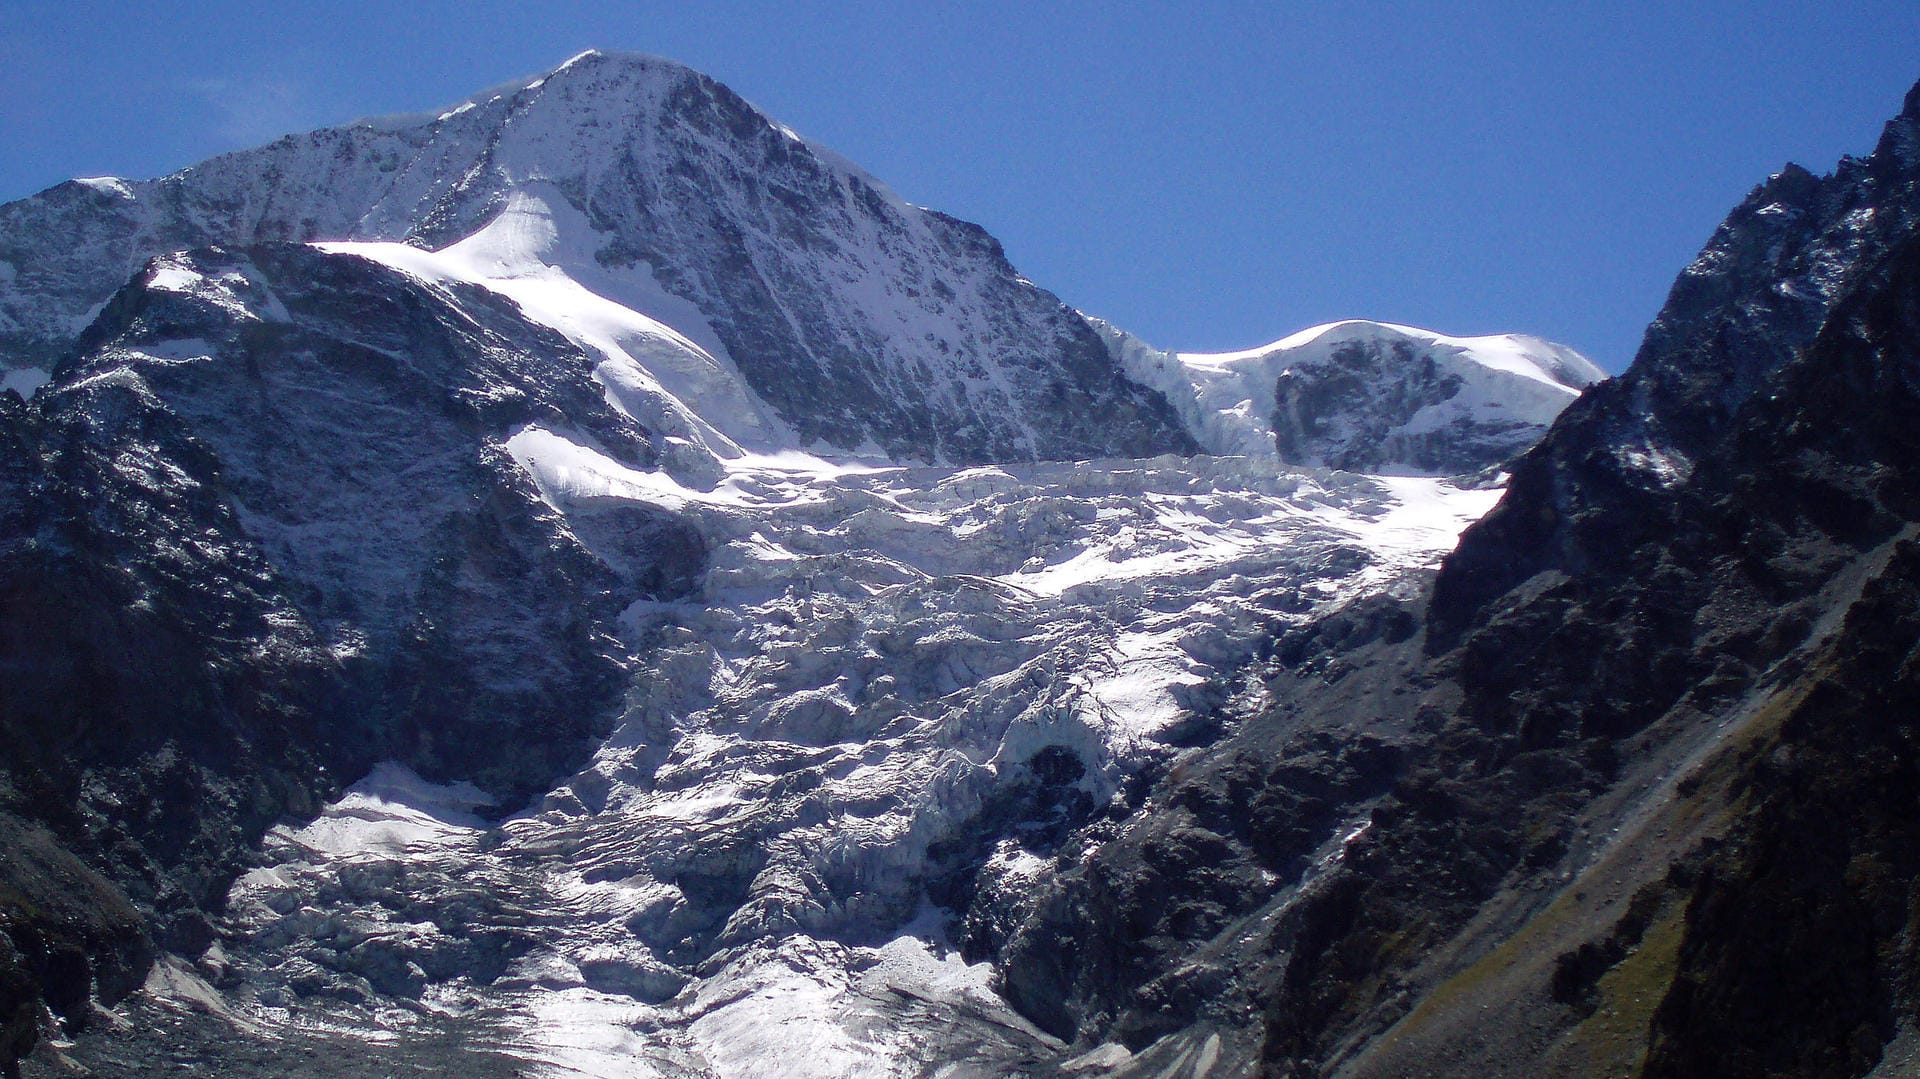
<point>236,291</point>
<point>1227,398</point>
<point>26,381</point>
<point>1421,514</point>
<point>577,1033</point>
<point>568,472</point>
<point>112,185</point>
<point>173,277</point>
<point>390,811</point>
<point>873,653</point>
<point>660,361</point>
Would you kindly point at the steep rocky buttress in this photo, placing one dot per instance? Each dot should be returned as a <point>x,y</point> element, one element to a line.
<point>227,589</point>
<point>1606,801</point>
<point>1674,657</point>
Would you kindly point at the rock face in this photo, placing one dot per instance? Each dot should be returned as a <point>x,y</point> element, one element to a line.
<point>1368,396</point>
<point>355,424</point>
<point>1606,807</point>
<point>1668,652</point>
<point>1750,302</point>
<point>865,323</point>
<point>264,532</point>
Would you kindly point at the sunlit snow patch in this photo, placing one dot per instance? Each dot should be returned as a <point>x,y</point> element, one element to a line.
<point>659,360</point>
<point>106,185</point>
<point>391,811</point>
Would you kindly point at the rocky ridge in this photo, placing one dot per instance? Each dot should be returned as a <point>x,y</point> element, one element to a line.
<point>1709,524</point>
<point>229,581</point>
<point>1602,805</point>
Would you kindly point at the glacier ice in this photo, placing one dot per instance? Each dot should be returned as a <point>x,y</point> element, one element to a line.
<point>860,703</point>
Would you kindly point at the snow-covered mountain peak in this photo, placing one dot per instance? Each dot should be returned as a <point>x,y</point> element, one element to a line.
<point>856,323</point>
<point>753,292</point>
<point>1367,396</point>
<point>1515,353</point>
<point>637,66</point>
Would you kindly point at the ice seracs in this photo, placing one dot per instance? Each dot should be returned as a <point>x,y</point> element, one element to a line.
<point>888,677</point>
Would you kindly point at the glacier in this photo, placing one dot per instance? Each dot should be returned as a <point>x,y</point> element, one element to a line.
<point>889,674</point>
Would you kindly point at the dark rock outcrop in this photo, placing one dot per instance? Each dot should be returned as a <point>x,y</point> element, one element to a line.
<point>1644,790</point>
<point>1582,501</point>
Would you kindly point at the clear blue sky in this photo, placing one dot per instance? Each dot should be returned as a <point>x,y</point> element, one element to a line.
<point>1209,175</point>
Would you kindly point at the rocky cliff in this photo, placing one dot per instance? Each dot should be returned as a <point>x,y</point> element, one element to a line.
<point>263,533</point>
<point>1605,801</point>
<point>1664,659</point>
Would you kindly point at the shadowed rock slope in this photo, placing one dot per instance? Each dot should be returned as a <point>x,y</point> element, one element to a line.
<point>1662,827</point>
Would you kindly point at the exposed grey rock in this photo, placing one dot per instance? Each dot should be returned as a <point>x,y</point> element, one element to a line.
<point>1573,755</point>
<point>353,421</point>
<point>262,533</point>
<point>1752,300</point>
<point>1665,657</point>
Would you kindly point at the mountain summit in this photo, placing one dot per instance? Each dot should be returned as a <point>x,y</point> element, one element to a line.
<point>752,291</point>
<point>830,313</point>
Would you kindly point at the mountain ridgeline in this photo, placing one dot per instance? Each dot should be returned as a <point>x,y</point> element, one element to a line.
<point>589,583</point>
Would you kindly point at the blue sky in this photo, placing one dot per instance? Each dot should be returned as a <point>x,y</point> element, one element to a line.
<point>1209,175</point>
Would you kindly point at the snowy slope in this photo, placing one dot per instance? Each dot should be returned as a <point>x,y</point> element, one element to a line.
<point>1367,396</point>
<point>673,378</point>
<point>875,696</point>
